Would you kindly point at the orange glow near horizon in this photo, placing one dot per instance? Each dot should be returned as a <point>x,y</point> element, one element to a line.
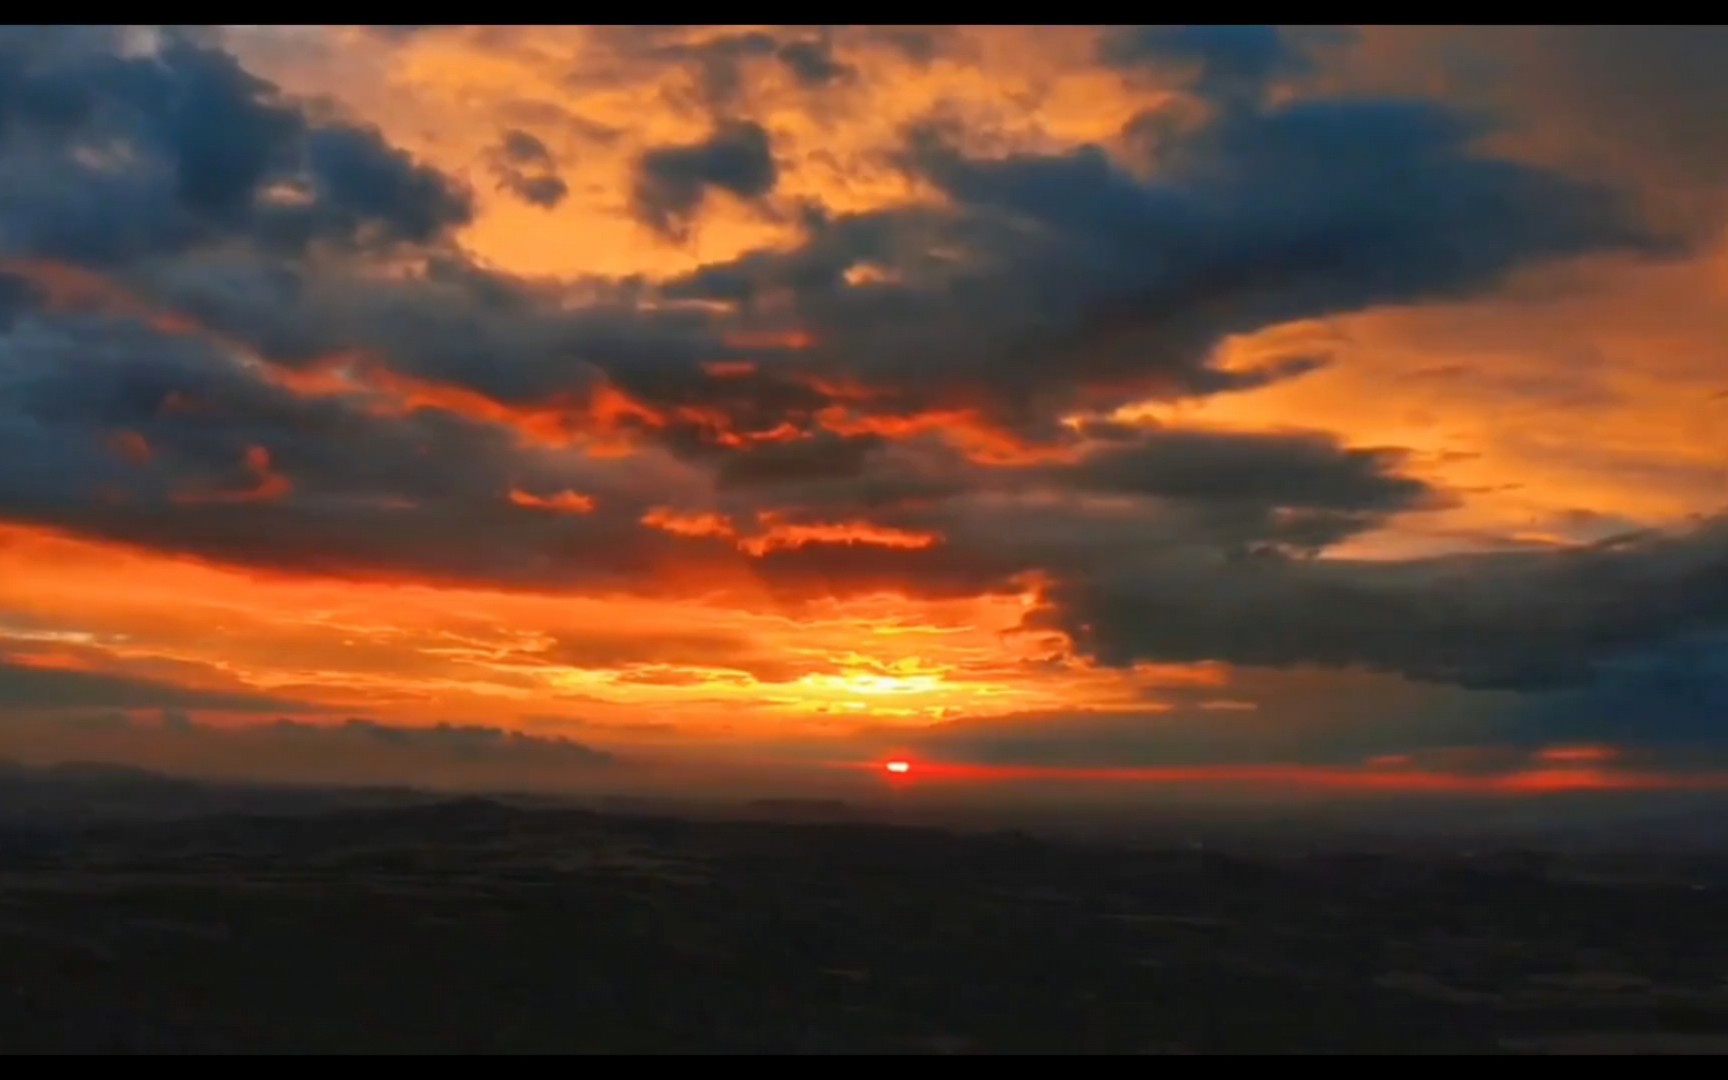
<point>738,668</point>
<point>732,672</point>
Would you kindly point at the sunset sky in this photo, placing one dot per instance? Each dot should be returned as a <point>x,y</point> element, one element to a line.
<point>1329,408</point>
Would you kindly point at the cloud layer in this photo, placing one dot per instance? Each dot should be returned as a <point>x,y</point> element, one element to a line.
<point>942,357</point>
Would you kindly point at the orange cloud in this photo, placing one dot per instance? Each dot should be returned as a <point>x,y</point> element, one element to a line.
<point>564,502</point>
<point>786,534</point>
<point>602,418</point>
<point>705,523</point>
<point>982,441</point>
<point>775,533</point>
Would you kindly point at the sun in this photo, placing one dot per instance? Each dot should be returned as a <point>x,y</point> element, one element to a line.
<point>899,768</point>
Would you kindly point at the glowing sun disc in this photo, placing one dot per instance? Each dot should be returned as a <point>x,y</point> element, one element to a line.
<point>898,767</point>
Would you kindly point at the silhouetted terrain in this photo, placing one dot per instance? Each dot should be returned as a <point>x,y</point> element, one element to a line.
<point>478,925</point>
<point>83,792</point>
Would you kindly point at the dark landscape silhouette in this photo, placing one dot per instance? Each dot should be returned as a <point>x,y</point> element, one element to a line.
<point>148,914</point>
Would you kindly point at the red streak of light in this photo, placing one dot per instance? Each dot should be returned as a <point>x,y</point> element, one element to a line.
<point>1529,781</point>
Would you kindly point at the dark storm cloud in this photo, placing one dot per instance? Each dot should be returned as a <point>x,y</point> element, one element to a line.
<point>673,181</point>
<point>525,168</point>
<point>992,536</point>
<point>75,382</point>
<point>1299,211</point>
<point>1664,703</point>
<point>358,491</point>
<point>1125,498</point>
<point>450,323</point>
<point>17,295</point>
<point>1673,693</point>
<point>452,541</point>
<point>818,266</point>
<point>545,192</point>
<point>123,431</point>
<point>1133,485</point>
<point>25,687</point>
<point>1233,64</point>
<point>827,477</point>
<point>1523,620</point>
<point>1294,469</point>
<point>425,495</point>
<point>1041,265</point>
<point>522,148</point>
<point>821,458</point>
<point>115,158</point>
<point>812,62</point>
<point>1052,277</point>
